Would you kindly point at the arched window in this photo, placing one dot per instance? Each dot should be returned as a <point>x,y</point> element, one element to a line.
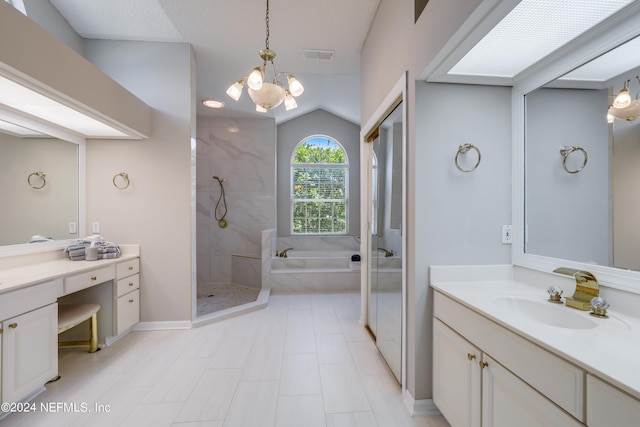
<point>319,187</point>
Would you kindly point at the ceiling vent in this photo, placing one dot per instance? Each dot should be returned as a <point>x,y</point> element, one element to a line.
<point>318,54</point>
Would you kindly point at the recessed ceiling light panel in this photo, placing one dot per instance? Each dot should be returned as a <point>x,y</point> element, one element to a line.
<point>531,31</point>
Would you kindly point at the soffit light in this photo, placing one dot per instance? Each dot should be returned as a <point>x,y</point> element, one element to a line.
<point>264,94</point>
<point>32,103</point>
<point>623,107</point>
<point>532,30</point>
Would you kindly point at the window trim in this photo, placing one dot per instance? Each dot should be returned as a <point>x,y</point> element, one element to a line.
<point>346,166</point>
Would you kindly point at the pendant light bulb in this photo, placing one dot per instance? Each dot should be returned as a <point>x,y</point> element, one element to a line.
<point>295,87</point>
<point>255,79</point>
<point>290,102</point>
<point>235,90</point>
<point>610,117</point>
<point>260,109</point>
<point>623,99</point>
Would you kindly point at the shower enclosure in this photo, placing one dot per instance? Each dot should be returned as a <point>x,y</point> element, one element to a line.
<point>235,197</point>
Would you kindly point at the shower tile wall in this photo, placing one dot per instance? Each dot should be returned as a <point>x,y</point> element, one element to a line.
<point>242,151</point>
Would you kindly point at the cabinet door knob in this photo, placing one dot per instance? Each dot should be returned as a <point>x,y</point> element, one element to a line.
<point>131,267</point>
<point>130,300</point>
<point>94,278</point>
<point>471,356</point>
<point>13,325</point>
<point>131,284</point>
<point>483,364</point>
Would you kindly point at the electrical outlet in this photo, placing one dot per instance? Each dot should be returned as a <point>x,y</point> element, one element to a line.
<point>506,234</point>
<point>95,227</point>
<point>73,229</point>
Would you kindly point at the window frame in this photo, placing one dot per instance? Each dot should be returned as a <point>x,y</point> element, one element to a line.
<point>346,166</point>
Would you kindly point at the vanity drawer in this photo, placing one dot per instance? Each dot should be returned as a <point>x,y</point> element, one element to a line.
<point>27,299</point>
<point>127,285</point>
<point>557,379</point>
<point>128,311</point>
<point>127,268</point>
<point>88,279</point>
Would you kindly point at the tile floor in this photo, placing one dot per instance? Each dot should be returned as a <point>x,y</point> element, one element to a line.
<point>302,361</point>
<point>213,298</point>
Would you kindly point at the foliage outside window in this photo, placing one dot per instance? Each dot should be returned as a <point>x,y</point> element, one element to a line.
<point>319,190</point>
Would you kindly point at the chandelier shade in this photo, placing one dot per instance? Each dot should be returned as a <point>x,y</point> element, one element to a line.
<point>623,107</point>
<point>267,95</point>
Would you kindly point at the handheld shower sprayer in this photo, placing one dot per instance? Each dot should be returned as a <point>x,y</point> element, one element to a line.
<point>222,223</point>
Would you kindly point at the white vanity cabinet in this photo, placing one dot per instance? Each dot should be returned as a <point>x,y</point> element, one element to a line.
<point>485,375</point>
<point>127,295</point>
<point>608,406</point>
<point>29,352</point>
<point>456,377</point>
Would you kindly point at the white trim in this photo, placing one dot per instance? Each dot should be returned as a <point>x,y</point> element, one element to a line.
<point>420,408</point>
<point>399,90</point>
<point>161,325</point>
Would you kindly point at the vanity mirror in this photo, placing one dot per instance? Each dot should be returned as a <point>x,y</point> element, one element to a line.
<point>577,167</point>
<point>40,190</point>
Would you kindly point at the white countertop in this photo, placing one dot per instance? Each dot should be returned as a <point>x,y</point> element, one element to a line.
<point>12,279</point>
<point>610,350</point>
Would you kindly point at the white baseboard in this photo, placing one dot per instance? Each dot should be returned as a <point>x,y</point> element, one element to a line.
<point>162,325</point>
<point>422,407</point>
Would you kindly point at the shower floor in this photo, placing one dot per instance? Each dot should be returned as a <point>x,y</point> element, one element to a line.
<point>212,298</point>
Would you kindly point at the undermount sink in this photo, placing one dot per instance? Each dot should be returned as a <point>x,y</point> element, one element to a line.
<point>542,311</point>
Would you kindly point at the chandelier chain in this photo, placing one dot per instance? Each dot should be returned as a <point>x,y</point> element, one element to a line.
<point>267,21</point>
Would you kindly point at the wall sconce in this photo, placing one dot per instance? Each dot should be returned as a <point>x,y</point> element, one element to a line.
<point>623,107</point>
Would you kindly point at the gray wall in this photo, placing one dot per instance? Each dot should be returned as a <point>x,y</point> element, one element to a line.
<point>156,210</point>
<point>458,215</point>
<point>626,202</point>
<point>568,215</point>
<point>290,133</point>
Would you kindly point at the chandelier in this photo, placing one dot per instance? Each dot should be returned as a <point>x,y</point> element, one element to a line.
<point>268,95</point>
<point>623,107</point>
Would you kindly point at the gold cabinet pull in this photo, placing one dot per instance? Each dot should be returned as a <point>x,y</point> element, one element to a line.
<point>471,356</point>
<point>130,300</point>
<point>131,267</point>
<point>13,325</point>
<point>1,330</point>
<point>131,284</point>
<point>94,278</point>
<point>483,364</point>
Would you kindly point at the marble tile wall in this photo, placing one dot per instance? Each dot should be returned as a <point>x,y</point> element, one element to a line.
<point>242,152</point>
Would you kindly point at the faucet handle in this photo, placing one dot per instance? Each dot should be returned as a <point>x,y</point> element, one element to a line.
<point>599,307</point>
<point>555,294</point>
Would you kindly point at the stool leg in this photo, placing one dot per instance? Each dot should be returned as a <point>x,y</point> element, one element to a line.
<point>93,337</point>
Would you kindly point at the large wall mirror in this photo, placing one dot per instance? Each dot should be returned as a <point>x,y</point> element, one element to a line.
<point>40,190</point>
<point>581,164</point>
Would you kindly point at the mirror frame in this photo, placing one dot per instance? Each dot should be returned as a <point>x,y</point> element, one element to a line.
<point>592,44</point>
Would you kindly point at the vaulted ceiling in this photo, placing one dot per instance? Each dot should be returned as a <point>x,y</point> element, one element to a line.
<point>227,36</point>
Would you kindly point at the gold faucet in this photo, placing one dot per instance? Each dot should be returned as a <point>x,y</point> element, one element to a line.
<point>387,253</point>
<point>586,288</point>
<point>283,254</point>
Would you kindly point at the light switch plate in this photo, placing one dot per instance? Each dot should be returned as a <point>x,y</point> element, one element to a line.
<point>506,234</point>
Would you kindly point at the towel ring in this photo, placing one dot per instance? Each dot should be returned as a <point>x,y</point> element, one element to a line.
<point>566,150</point>
<point>463,149</point>
<point>40,175</point>
<point>125,178</point>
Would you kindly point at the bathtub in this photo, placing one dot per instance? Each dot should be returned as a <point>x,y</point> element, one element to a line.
<point>313,260</point>
<point>314,271</point>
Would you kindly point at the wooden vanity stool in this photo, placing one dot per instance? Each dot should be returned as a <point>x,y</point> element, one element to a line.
<point>70,315</point>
